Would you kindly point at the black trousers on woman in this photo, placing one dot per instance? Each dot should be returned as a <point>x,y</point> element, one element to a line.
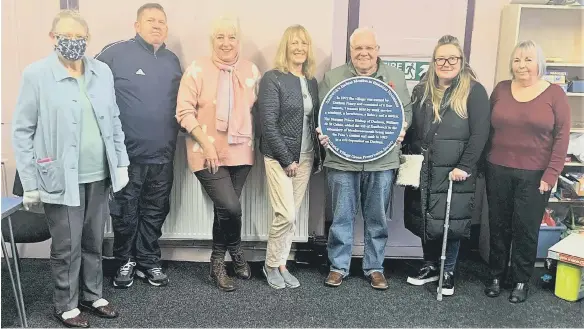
<point>224,188</point>
<point>516,208</point>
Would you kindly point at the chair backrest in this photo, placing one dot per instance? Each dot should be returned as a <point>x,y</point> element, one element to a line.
<point>27,227</point>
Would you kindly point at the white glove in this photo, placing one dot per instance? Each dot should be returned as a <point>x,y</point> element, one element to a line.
<point>31,199</point>
<point>122,175</point>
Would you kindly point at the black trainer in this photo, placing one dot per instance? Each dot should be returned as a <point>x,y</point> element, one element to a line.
<point>428,273</point>
<point>448,284</point>
<point>154,276</point>
<point>125,276</point>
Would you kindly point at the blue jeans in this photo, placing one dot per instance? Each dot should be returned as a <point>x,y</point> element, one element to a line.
<point>374,191</point>
<point>433,251</point>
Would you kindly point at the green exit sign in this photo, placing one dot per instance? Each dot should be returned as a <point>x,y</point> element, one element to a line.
<point>412,69</point>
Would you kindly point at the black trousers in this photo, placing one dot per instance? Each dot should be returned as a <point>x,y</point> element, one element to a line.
<point>224,188</point>
<point>516,208</point>
<point>138,212</point>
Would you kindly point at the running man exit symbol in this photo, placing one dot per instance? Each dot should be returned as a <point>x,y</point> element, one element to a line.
<point>410,70</point>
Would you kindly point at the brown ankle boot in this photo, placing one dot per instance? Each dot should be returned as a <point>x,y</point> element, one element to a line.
<point>218,273</point>
<point>241,267</point>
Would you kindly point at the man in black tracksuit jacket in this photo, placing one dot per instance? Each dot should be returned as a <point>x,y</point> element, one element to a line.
<point>146,79</point>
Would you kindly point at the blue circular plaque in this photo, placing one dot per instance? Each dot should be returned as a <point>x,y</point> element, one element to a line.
<point>362,118</point>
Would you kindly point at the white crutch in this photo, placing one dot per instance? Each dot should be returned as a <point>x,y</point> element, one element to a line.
<point>445,238</point>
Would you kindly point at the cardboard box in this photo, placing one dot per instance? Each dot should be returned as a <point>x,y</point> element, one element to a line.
<point>578,178</point>
<point>569,250</point>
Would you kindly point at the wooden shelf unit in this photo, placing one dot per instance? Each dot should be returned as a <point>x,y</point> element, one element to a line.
<point>558,30</point>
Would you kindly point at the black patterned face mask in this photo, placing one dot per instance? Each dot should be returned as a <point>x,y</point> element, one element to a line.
<point>71,49</point>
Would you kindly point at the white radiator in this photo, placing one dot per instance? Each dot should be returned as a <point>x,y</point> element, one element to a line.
<point>191,210</point>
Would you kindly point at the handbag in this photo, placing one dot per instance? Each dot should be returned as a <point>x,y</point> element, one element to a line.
<point>410,167</point>
<point>409,171</point>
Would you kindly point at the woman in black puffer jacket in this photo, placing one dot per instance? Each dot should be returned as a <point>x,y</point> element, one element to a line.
<point>450,128</point>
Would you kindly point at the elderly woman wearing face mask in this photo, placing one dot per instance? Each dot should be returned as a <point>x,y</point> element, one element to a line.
<point>69,150</point>
<point>214,105</point>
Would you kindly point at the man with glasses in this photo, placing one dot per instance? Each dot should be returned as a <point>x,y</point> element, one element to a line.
<point>146,78</point>
<point>367,184</point>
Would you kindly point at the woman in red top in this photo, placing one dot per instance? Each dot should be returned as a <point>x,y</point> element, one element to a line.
<point>530,130</point>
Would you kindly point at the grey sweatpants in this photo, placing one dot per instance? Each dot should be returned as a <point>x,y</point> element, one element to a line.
<point>76,248</point>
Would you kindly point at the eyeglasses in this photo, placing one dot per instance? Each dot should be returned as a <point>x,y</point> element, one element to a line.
<point>451,60</point>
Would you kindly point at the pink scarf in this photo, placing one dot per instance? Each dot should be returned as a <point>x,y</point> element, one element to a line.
<point>232,108</point>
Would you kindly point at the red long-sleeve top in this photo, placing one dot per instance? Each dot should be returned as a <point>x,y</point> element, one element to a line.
<point>531,135</point>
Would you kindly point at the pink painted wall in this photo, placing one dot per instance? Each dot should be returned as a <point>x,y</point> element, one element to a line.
<point>189,27</point>
<point>190,20</point>
<point>25,39</point>
<point>411,28</point>
<point>402,29</point>
<point>485,39</point>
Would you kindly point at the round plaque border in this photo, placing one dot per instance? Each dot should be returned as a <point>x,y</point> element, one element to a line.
<point>389,90</point>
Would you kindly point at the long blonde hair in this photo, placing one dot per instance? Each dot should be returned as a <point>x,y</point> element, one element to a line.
<point>461,84</point>
<point>281,60</point>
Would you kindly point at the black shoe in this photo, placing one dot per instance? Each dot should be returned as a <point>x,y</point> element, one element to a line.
<point>125,276</point>
<point>519,293</point>
<point>448,284</point>
<point>493,288</point>
<point>154,276</point>
<point>428,273</point>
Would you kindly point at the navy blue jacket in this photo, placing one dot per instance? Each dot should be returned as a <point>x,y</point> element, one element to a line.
<point>146,86</point>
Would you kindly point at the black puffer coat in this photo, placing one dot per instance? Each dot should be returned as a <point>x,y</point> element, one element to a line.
<point>457,143</point>
<point>281,116</point>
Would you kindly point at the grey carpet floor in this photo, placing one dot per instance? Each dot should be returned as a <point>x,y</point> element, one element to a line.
<point>192,301</point>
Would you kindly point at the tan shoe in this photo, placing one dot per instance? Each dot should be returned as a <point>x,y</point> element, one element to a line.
<point>378,281</point>
<point>334,279</point>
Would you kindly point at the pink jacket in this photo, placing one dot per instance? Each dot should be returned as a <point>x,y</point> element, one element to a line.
<point>196,107</point>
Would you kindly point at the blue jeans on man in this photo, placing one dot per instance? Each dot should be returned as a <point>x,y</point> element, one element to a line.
<point>373,190</point>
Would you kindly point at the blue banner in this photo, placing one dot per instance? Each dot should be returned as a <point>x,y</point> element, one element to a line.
<point>362,117</point>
